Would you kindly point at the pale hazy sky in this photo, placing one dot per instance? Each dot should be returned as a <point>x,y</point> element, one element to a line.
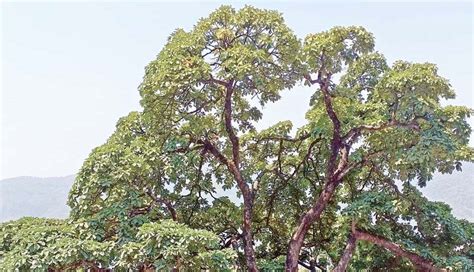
<point>70,70</point>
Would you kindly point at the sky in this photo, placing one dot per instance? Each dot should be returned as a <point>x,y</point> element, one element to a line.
<point>70,70</point>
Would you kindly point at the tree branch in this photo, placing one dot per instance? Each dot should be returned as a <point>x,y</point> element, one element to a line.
<point>419,262</point>
<point>228,125</point>
<point>347,254</point>
<point>393,123</point>
<point>165,202</point>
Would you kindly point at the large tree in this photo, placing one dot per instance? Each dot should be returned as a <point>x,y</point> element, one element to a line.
<point>338,193</point>
<point>375,116</point>
<point>200,93</point>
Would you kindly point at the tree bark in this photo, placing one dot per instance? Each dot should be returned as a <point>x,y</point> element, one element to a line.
<point>247,235</point>
<point>234,168</point>
<point>419,262</point>
<point>309,217</point>
<point>347,254</point>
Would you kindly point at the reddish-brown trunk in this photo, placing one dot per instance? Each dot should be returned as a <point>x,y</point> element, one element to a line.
<point>309,217</point>
<point>333,175</point>
<point>346,255</point>
<point>247,235</point>
<point>233,166</point>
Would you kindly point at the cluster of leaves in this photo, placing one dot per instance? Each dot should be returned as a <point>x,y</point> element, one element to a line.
<point>417,224</point>
<point>36,244</point>
<point>170,245</point>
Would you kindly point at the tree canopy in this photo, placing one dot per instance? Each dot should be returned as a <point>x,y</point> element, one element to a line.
<point>338,193</point>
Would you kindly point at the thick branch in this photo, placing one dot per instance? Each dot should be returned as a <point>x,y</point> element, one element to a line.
<point>312,81</point>
<point>343,170</point>
<point>216,81</point>
<point>329,108</point>
<point>312,266</point>
<point>419,262</point>
<point>233,166</point>
<point>346,255</point>
<point>230,165</point>
<point>228,125</point>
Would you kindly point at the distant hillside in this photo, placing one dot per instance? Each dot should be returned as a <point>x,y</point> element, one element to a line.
<point>456,189</point>
<point>32,196</point>
<point>46,197</point>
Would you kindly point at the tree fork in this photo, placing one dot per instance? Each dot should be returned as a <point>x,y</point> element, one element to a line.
<point>308,218</point>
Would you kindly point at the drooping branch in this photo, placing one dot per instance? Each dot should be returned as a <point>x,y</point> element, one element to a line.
<point>419,262</point>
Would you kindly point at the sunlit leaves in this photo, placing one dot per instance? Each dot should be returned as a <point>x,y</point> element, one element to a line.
<point>168,244</point>
<point>34,244</point>
<point>250,49</point>
<point>328,51</point>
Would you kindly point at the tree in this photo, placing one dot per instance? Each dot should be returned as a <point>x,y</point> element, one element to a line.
<point>339,189</point>
<point>199,112</point>
<point>198,91</point>
<point>390,117</point>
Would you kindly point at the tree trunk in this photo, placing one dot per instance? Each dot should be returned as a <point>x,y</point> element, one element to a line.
<point>309,217</point>
<point>247,235</point>
<point>347,255</point>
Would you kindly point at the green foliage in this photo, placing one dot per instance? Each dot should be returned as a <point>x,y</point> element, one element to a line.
<point>251,48</point>
<point>35,244</point>
<point>168,244</point>
<point>327,52</point>
<point>277,264</point>
<point>147,198</point>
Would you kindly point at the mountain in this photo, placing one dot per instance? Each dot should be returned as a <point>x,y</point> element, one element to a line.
<point>456,189</point>
<point>33,196</point>
<point>46,197</point>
